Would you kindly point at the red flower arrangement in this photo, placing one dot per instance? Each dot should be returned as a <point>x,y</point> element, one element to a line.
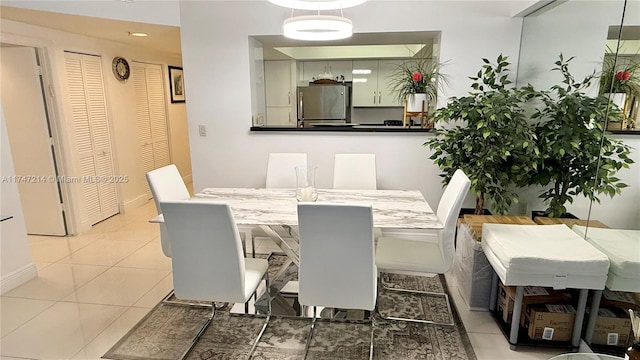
<point>417,76</point>
<point>623,75</point>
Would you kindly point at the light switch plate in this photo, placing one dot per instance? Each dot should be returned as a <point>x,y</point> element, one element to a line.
<point>202,130</point>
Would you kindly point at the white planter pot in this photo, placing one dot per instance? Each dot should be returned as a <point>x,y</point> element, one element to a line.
<point>414,103</point>
<point>618,99</point>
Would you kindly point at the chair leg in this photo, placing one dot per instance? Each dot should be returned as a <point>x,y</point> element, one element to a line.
<point>427,293</point>
<point>313,325</point>
<point>183,303</point>
<point>372,318</point>
<point>266,323</point>
<point>200,332</point>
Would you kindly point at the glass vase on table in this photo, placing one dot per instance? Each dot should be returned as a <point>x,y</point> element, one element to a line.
<point>306,183</point>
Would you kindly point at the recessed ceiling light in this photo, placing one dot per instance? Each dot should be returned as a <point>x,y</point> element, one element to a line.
<point>138,34</point>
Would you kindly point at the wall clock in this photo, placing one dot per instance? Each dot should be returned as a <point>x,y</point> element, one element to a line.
<point>120,68</point>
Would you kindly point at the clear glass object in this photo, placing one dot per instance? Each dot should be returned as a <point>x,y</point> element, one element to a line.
<point>306,189</point>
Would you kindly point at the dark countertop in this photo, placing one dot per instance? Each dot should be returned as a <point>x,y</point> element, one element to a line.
<point>354,128</point>
<point>625,132</point>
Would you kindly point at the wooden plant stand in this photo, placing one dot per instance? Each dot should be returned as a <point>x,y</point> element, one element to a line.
<point>421,114</point>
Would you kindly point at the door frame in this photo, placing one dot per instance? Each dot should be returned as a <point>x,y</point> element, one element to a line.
<point>58,135</point>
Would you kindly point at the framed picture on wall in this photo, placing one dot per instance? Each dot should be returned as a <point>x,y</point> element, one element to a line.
<point>176,84</point>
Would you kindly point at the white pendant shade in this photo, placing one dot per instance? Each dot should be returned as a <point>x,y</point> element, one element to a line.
<point>317,28</point>
<point>317,4</point>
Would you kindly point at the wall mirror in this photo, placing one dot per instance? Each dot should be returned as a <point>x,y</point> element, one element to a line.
<point>586,30</point>
<point>602,37</point>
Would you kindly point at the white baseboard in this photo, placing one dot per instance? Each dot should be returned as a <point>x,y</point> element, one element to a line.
<point>134,203</point>
<point>17,278</point>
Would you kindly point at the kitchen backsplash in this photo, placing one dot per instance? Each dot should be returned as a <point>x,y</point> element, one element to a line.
<point>363,115</point>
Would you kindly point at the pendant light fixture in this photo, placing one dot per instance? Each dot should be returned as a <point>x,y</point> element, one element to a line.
<point>317,4</point>
<point>317,27</point>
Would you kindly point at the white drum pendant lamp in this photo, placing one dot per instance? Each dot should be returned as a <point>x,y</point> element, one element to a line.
<point>317,4</point>
<point>317,27</point>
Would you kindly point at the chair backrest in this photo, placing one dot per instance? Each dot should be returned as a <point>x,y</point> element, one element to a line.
<point>337,266</point>
<point>166,184</point>
<point>354,172</point>
<point>448,211</point>
<point>281,169</point>
<point>207,258</point>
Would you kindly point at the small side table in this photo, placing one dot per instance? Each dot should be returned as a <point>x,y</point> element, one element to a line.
<point>548,256</point>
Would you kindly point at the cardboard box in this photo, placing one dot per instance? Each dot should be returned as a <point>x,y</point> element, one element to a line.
<point>613,327</point>
<point>620,299</point>
<point>552,322</point>
<point>532,295</point>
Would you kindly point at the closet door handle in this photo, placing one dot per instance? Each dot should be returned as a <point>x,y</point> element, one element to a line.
<point>374,97</point>
<point>379,97</point>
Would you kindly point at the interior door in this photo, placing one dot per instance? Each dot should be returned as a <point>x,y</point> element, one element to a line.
<point>31,141</point>
<point>151,117</point>
<point>92,136</point>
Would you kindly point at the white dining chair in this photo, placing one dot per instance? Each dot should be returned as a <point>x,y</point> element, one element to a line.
<point>166,184</point>
<point>337,267</point>
<point>410,253</point>
<point>354,172</point>
<point>207,258</point>
<point>281,174</point>
<point>281,171</point>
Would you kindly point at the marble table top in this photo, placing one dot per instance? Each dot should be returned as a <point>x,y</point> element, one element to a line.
<point>391,208</point>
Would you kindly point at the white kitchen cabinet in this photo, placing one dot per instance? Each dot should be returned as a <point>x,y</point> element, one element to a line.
<point>280,116</point>
<point>311,69</point>
<point>280,94</point>
<point>371,83</point>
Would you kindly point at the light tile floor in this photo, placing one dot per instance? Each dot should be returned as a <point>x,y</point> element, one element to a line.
<point>92,288</point>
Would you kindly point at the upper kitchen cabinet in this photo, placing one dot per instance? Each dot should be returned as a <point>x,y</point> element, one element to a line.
<point>280,92</point>
<point>309,70</point>
<point>371,83</point>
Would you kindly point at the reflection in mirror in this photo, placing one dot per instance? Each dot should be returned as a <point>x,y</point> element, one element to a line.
<point>602,37</point>
<point>580,29</point>
<point>620,79</point>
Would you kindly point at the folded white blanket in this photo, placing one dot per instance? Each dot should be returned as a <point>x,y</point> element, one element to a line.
<point>543,249</point>
<point>621,246</point>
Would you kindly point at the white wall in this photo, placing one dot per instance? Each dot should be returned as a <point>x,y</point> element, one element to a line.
<point>120,105</point>
<point>215,49</point>
<point>16,265</point>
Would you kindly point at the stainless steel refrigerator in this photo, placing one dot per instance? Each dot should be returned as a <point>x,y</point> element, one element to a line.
<point>324,103</point>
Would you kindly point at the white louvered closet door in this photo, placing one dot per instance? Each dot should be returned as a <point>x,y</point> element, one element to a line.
<point>151,117</point>
<point>93,139</point>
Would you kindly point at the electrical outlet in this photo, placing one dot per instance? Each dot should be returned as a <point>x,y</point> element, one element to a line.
<point>202,130</point>
<point>522,208</point>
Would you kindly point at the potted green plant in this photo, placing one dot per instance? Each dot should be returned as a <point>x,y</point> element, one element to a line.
<point>487,136</point>
<point>417,80</point>
<point>575,157</point>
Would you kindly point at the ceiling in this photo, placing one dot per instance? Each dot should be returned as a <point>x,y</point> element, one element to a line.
<point>167,38</point>
<point>388,45</point>
<point>161,37</point>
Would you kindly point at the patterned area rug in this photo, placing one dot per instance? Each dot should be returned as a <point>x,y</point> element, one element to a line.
<point>166,332</point>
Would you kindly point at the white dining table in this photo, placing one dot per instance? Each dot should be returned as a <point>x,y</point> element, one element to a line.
<point>275,212</point>
<point>392,209</point>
